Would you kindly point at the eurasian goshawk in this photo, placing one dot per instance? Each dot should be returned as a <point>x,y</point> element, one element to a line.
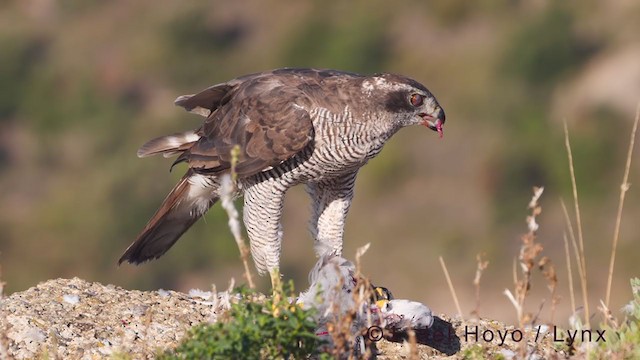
<point>292,126</point>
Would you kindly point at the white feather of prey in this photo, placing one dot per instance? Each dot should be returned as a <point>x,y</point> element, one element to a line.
<point>330,284</point>
<point>227,190</point>
<point>402,314</point>
<point>331,293</point>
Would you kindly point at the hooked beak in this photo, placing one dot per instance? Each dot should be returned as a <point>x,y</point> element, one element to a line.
<point>434,123</point>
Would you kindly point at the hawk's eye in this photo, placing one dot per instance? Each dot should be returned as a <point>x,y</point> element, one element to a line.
<point>417,100</point>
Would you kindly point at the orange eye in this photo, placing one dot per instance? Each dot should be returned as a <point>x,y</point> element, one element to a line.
<point>417,100</point>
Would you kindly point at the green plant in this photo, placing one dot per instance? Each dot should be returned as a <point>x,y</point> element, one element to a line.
<point>253,329</point>
<point>622,341</point>
<point>475,352</point>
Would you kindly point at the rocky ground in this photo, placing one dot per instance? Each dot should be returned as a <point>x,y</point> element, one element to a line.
<point>72,318</point>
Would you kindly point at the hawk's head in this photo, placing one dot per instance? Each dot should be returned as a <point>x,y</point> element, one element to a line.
<point>407,101</point>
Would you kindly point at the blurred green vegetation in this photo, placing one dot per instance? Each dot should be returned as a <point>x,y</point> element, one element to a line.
<point>546,47</point>
<point>83,84</point>
<point>20,58</point>
<point>326,37</point>
<point>202,45</point>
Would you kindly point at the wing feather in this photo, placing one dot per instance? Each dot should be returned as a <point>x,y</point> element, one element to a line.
<point>263,118</point>
<point>266,114</point>
<point>206,101</point>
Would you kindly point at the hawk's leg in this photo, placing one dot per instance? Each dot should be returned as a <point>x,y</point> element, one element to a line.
<point>262,213</point>
<point>331,201</point>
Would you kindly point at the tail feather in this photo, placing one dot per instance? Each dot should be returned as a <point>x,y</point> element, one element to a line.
<point>184,205</point>
<point>168,145</point>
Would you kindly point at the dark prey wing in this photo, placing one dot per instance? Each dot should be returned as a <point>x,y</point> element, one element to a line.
<point>264,121</point>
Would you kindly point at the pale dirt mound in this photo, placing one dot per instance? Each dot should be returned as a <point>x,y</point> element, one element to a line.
<point>72,318</point>
<point>78,319</point>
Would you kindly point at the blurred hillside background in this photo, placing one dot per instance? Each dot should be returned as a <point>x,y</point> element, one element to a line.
<point>84,83</point>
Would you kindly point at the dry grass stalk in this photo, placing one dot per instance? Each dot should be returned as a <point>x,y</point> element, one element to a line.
<point>341,328</point>
<point>227,189</point>
<point>514,302</point>
<point>482,265</point>
<point>508,292</point>
<point>363,292</point>
<point>608,316</point>
<point>528,261</point>
<point>576,251</point>
<point>529,251</point>
<point>413,345</point>
<point>549,273</point>
<point>537,316</point>
<point>514,271</point>
<point>623,190</point>
<point>359,253</point>
<point>567,254</point>
<point>451,289</point>
<point>581,259</point>
<point>227,193</point>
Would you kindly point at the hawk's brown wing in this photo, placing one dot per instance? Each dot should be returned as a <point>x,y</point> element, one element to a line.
<point>264,116</point>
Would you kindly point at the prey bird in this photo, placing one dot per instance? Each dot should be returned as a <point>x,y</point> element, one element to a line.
<point>283,127</point>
